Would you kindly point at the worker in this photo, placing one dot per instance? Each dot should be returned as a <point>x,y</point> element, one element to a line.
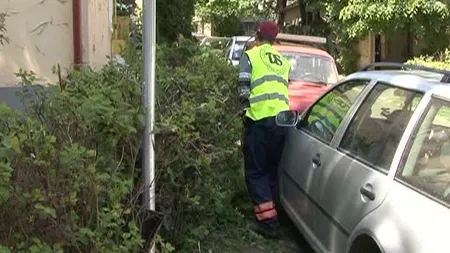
<point>263,87</point>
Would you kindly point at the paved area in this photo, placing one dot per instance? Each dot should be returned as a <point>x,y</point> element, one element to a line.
<point>8,94</point>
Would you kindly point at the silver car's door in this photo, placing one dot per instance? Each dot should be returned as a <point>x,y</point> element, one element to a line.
<point>356,182</point>
<point>423,186</point>
<point>307,150</point>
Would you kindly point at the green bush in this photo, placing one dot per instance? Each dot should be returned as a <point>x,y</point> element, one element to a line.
<point>439,60</point>
<point>198,161</point>
<point>70,166</point>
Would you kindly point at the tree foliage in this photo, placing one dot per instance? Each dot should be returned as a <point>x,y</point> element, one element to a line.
<point>209,9</point>
<point>359,17</point>
<point>174,18</point>
<point>225,15</point>
<point>351,20</point>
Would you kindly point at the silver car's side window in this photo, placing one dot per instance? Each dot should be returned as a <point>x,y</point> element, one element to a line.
<point>326,115</point>
<point>426,161</point>
<point>378,125</point>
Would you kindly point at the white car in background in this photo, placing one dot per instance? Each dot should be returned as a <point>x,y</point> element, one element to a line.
<point>234,48</point>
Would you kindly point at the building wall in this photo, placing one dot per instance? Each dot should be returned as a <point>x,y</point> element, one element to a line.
<point>292,16</point>
<point>202,27</point>
<point>366,50</point>
<point>41,35</point>
<point>394,48</point>
<point>397,46</point>
<point>100,34</point>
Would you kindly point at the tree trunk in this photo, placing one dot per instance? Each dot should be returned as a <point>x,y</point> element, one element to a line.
<point>303,16</point>
<point>281,4</point>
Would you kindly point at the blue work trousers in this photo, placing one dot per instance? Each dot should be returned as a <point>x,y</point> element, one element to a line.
<point>263,147</point>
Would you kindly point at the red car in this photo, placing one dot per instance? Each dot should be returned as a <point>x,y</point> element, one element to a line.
<point>313,70</point>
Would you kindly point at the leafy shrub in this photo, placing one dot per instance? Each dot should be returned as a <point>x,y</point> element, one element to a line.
<point>70,166</point>
<point>197,158</point>
<point>439,60</point>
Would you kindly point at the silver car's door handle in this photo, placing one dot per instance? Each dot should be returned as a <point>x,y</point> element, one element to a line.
<point>316,160</point>
<point>367,192</point>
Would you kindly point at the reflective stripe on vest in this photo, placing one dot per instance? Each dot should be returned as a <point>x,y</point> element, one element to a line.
<point>269,96</point>
<point>269,82</point>
<point>268,78</point>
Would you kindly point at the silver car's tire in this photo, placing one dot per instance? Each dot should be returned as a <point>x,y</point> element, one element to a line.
<point>364,244</point>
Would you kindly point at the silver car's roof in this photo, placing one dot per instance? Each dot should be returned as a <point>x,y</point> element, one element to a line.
<point>417,80</point>
<point>241,38</point>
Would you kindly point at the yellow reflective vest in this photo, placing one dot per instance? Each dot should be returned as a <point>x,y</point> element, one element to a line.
<point>269,82</point>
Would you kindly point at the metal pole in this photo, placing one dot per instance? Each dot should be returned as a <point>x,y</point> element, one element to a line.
<point>149,55</point>
<point>149,45</point>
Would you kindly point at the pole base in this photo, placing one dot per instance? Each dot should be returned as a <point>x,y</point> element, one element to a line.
<point>150,224</point>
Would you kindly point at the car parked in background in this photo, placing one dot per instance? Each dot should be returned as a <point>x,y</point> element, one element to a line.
<point>216,43</point>
<point>367,166</point>
<point>313,70</point>
<point>199,36</point>
<point>234,49</point>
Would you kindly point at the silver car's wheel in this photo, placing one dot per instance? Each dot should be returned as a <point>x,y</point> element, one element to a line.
<point>364,244</point>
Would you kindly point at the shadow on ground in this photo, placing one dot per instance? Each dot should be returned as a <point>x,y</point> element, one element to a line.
<point>292,240</point>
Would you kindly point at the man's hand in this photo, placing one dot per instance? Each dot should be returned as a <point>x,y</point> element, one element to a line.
<point>244,93</point>
<point>243,117</point>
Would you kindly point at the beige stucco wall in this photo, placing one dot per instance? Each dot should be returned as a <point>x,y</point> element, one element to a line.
<point>99,33</point>
<point>202,27</point>
<point>366,50</point>
<point>41,35</point>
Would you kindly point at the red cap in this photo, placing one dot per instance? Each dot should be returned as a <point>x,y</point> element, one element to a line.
<point>268,29</point>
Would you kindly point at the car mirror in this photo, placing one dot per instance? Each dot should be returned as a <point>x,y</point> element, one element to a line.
<point>287,118</point>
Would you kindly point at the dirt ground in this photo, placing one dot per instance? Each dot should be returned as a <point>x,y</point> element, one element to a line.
<point>292,242</point>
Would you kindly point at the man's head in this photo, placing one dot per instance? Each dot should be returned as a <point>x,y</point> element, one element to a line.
<point>267,32</point>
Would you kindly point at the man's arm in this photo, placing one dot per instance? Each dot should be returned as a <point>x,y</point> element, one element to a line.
<point>244,78</point>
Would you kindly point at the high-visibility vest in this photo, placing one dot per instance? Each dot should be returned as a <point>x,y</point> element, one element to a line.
<point>269,82</point>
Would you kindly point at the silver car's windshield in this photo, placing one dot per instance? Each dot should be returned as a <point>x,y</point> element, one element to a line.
<point>312,68</point>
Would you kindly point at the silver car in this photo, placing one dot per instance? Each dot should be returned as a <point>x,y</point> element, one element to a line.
<point>234,49</point>
<point>366,168</point>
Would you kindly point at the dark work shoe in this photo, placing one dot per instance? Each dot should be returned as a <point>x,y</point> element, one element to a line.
<point>264,231</point>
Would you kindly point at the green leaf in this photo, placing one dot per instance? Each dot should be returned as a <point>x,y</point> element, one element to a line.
<point>46,211</point>
<point>6,142</point>
<point>4,249</point>
<point>35,249</point>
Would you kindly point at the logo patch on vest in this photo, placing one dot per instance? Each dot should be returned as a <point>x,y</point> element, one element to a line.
<point>273,61</point>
